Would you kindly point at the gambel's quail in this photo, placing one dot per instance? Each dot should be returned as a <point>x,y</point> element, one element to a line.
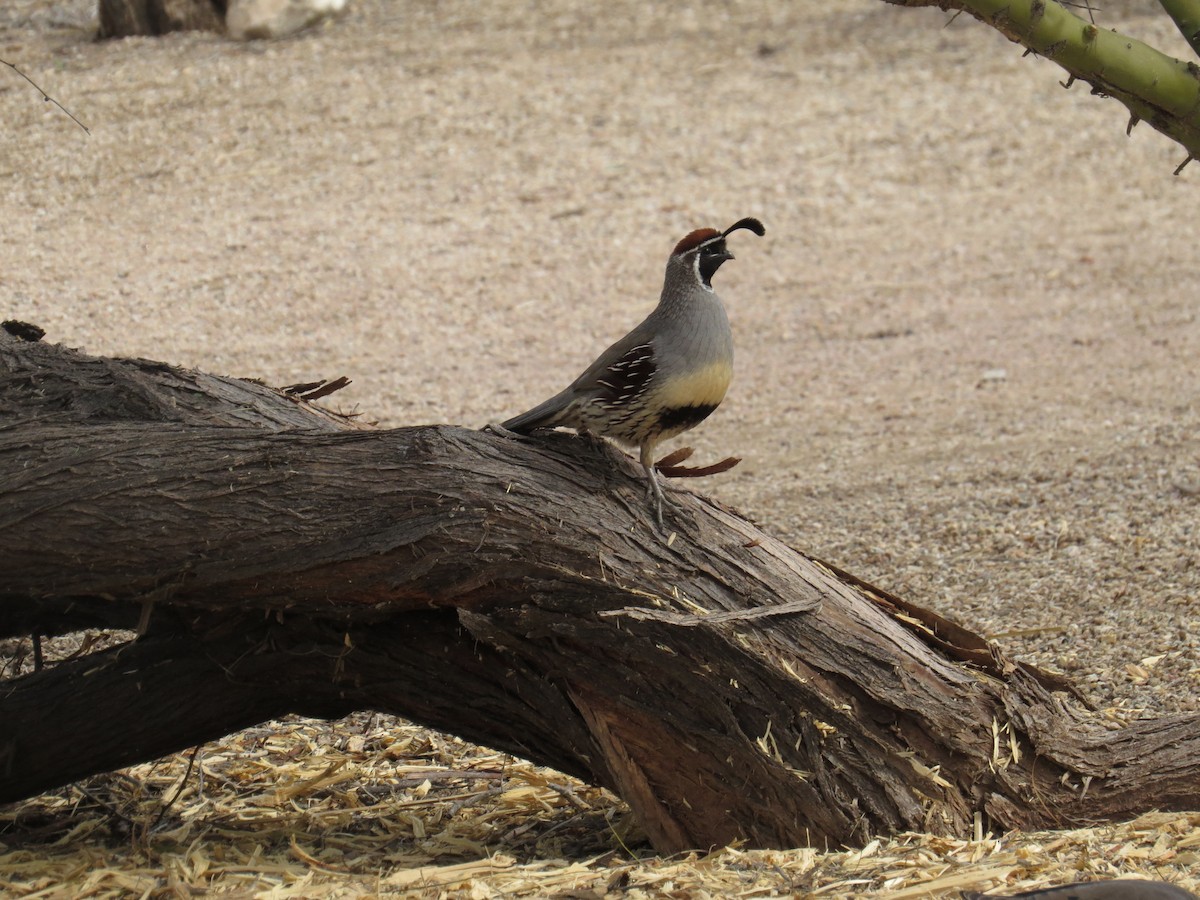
<point>665,376</point>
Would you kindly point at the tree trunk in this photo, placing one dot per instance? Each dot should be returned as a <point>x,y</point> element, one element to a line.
<point>130,18</point>
<point>275,558</point>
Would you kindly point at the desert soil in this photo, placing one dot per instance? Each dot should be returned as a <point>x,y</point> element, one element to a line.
<point>966,347</point>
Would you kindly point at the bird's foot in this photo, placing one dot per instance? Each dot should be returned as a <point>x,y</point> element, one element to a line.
<point>654,496</point>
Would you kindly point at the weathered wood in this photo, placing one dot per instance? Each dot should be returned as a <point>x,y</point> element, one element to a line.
<point>514,592</point>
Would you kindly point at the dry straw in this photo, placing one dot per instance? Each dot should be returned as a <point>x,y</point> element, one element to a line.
<point>374,806</point>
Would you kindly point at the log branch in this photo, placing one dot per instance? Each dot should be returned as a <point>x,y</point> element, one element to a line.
<point>512,591</point>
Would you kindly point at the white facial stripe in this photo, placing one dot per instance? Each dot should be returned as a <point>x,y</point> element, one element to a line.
<point>699,277</point>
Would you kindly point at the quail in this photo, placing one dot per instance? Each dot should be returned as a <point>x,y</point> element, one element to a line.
<point>668,374</point>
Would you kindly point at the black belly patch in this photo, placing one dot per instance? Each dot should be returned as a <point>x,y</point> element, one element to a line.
<point>684,417</point>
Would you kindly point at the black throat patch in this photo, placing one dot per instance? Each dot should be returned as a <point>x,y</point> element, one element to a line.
<point>710,259</point>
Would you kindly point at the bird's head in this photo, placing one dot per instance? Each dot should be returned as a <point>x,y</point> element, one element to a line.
<point>704,249</point>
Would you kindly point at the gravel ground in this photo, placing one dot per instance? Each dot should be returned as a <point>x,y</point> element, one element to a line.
<point>967,344</point>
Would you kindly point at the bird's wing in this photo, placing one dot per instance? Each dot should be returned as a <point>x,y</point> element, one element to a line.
<point>625,377</point>
<point>620,374</point>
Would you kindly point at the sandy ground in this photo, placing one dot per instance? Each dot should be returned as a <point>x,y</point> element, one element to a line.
<point>967,346</point>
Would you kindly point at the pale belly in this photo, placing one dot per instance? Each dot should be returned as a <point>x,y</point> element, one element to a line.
<point>674,408</point>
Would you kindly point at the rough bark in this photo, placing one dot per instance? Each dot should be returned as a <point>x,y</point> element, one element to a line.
<point>274,559</point>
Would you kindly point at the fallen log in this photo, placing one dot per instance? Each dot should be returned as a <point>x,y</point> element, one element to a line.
<point>272,557</point>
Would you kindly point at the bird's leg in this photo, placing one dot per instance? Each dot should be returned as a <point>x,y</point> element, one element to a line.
<point>653,488</point>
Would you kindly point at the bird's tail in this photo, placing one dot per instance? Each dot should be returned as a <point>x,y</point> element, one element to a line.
<point>544,415</point>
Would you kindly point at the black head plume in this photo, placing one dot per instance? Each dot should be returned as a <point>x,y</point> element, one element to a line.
<point>749,224</point>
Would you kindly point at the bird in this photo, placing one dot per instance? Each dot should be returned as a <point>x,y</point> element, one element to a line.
<point>665,376</point>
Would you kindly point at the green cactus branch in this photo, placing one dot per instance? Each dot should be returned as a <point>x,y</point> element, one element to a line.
<point>1156,88</point>
<point>1186,14</point>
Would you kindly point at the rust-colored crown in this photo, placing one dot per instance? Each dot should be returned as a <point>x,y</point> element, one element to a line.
<point>695,239</point>
<point>708,235</point>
